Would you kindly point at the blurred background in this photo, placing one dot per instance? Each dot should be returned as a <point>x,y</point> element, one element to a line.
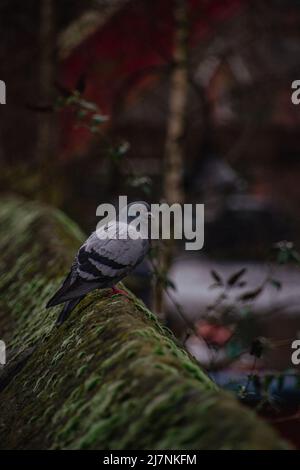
<point>181,101</point>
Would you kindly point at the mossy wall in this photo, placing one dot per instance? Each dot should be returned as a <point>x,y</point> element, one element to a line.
<point>111,377</point>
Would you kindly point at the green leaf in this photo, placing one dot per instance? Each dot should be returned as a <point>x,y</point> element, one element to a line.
<point>283,257</point>
<point>250,295</point>
<point>99,118</point>
<point>244,311</point>
<point>216,276</point>
<point>88,105</point>
<point>170,284</point>
<point>81,114</point>
<point>241,284</point>
<point>276,284</point>
<point>268,379</point>
<point>236,276</point>
<point>295,256</point>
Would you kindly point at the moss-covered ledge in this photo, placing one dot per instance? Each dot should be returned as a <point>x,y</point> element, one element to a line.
<point>111,377</point>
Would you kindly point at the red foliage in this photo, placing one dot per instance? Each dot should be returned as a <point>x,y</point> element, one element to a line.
<point>129,51</point>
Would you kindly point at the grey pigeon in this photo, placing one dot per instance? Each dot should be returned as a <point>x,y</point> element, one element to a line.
<point>102,262</point>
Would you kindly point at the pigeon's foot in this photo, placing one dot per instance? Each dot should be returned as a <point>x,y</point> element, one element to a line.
<point>116,291</point>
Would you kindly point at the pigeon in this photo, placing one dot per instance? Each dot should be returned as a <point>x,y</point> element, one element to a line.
<point>102,261</point>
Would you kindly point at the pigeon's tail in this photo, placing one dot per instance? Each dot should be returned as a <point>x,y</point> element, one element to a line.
<point>72,291</point>
<point>67,309</point>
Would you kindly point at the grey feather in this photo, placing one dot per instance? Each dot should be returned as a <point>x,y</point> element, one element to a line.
<point>101,262</point>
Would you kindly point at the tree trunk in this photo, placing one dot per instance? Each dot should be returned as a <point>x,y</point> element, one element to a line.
<point>110,377</point>
<point>174,158</point>
<point>174,153</point>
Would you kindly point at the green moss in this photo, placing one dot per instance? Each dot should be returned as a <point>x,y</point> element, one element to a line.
<point>92,382</point>
<point>111,377</point>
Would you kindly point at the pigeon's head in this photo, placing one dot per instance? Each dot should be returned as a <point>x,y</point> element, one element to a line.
<point>133,210</point>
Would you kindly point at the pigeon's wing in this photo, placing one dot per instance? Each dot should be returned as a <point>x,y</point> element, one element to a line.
<point>64,287</point>
<point>101,262</point>
<point>108,257</point>
<point>78,288</point>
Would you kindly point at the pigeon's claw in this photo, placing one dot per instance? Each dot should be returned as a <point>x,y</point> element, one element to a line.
<point>116,291</point>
